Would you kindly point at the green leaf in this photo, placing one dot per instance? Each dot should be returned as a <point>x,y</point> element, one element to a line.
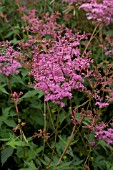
<point>7,139</point>
<point>111,168</point>
<point>5,111</point>
<point>18,79</point>
<point>10,122</point>
<point>14,142</point>
<point>5,117</point>
<point>29,166</point>
<point>1,9</point>
<point>78,116</point>
<point>38,150</point>
<point>2,89</point>
<point>6,153</point>
<point>32,93</point>
<point>63,140</point>
<point>9,34</point>
<point>66,165</point>
<point>62,117</point>
<point>78,162</point>
<point>99,162</point>
<point>15,41</point>
<point>102,143</point>
<point>24,73</point>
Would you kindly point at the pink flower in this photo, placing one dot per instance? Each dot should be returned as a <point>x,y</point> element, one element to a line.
<point>56,73</point>
<point>99,12</point>
<point>8,62</point>
<point>101,105</point>
<point>57,66</point>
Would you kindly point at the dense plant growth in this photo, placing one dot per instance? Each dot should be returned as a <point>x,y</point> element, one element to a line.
<point>56,85</point>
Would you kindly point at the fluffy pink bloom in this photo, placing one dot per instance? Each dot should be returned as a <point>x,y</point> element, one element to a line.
<point>99,11</point>
<point>57,66</point>
<point>8,62</point>
<point>102,134</point>
<point>56,72</point>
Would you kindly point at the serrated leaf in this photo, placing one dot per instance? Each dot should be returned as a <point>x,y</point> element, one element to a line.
<point>6,153</point>
<point>14,143</point>
<point>66,164</point>
<point>47,160</point>
<point>10,122</point>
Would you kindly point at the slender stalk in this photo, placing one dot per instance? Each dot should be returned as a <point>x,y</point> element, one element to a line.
<point>69,141</point>
<point>91,38</point>
<point>56,133</point>
<point>50,115</point>
<point>100,33</point>
<point>45,5</point>
<point>45,124</point>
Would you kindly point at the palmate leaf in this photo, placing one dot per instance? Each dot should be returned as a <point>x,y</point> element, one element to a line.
<point>6,153</point>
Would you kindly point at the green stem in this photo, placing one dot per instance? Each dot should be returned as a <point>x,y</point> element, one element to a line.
<point>56,133</point>
<point>45,125</point>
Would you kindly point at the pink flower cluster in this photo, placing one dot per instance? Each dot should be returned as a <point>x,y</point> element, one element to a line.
<point>102,134</point>
<point>8,63</point>
<point>101,130</point>
<point>99,11</point>
<point>109,42</point>
<point>101,86</point>
<point>58,67</point>
<point>76,1</point>
<point>42,27</point>
<point>56,72</point>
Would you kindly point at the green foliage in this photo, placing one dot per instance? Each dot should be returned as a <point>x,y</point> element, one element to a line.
<point>6,153</point>
<point>35,134</point>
